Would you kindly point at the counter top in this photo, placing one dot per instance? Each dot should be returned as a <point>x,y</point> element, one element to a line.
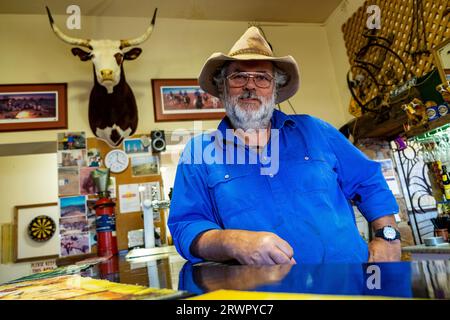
<point>441,248</point>
<point>408,279</point>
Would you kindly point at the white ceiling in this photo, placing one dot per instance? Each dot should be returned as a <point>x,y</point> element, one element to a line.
<point>294,11</point>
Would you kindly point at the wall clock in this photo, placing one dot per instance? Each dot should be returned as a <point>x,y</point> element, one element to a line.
<point>116,160</point>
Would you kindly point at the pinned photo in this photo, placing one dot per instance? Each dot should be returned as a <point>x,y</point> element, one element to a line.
<point>131,146</point>
<point>144,165</point>
<point>72,158</point>
<point>68,181</point>
<point>71,140</point>
<point>87,184</point>
<point>72,206</point>
<point>75,224</point>
<point>75,244</point>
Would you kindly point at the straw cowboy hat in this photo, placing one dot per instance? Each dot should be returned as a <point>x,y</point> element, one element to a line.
<point>251,46</point>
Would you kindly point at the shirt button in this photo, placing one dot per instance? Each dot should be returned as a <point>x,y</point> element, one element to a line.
<point>264,158</point>
<point>227,176</point>
<point>306,158</point>
<point>271,175</point>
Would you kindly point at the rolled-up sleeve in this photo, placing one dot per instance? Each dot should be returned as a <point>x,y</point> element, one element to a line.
<point>191,211</point>
<point>360,178</point>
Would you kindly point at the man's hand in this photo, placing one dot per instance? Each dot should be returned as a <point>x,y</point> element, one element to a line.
<point>247,247</point>
<point>257,248</point>
<point>381,250</point>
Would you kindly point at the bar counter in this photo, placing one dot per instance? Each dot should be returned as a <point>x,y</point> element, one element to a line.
<point>429,279</point>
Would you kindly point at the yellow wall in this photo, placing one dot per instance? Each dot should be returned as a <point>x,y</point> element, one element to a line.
<point>338,51</point>
<point>24,180</point>
<point>31,53</point>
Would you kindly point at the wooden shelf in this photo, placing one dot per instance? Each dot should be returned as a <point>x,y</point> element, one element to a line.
<point>428,126</point>
<point>367,126</point>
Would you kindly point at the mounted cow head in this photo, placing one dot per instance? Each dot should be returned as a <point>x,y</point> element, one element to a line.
<point>112,111</point>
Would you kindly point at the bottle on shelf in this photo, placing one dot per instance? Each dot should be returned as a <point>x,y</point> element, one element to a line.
<point>446,183</point>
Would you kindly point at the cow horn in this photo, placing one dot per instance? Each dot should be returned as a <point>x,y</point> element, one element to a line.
<point>63,37</point>
<point>142,38</point>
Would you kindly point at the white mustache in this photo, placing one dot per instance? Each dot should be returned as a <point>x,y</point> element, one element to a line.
<point>249,95</point>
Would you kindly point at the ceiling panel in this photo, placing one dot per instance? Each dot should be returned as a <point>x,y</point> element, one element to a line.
<point>293,11</point>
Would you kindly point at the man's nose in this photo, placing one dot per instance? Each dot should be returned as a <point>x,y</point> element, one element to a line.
<point>251,83</point>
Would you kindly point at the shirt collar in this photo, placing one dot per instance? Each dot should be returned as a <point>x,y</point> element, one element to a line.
<point>278,120</point>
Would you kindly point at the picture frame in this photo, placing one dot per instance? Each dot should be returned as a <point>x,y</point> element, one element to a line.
<point>33,106</point>
<point>25,248</point>
<point>441,55</point>
<point>183,99</point>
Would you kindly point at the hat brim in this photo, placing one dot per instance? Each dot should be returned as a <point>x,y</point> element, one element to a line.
<point>217,60</point>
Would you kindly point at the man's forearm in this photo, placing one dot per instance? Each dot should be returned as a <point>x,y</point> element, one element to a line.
<point>213,245</point>
<point>384,221</point>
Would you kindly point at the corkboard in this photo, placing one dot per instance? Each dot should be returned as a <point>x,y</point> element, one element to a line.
<point>397,17</point>
<point>133,220</point>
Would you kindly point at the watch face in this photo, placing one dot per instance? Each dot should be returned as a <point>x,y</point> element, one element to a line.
<point>389,233</point>
<point>116,160</point>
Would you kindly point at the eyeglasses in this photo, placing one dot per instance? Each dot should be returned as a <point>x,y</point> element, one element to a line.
<point>239,79</point>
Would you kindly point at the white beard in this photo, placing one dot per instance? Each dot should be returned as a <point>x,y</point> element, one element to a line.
<point>246,119</point>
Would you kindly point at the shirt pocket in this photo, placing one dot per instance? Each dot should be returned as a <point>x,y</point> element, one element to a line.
<point>233,193</point>
<point>313,174</point>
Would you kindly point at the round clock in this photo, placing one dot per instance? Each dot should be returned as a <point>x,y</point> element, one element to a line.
<point>41,228</point>
<point>116,160</point>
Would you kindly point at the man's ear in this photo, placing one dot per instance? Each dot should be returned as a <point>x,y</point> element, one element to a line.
<point>132,54</point>
<point>83,55</point>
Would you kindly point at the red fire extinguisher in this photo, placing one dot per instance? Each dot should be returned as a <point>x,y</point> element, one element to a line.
<point>106,227</point>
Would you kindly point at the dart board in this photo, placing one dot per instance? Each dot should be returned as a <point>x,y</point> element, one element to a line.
<point>41,228</point>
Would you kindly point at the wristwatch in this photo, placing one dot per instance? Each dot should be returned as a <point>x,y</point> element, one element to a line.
<point>388,233</point>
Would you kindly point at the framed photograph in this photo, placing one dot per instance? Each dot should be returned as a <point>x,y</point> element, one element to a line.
<point>36,232</point>
<point>182,99</point>
<point>441,55</point>
<point>33,106</point>
<point>144,165</point>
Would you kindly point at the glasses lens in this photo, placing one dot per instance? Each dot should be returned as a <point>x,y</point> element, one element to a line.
<point>240,79</point>
<point>262,80</point>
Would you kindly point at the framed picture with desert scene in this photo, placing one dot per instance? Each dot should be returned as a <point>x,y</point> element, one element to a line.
<point>36,232</point>
<point>183,99</point>
<point>33,106</point>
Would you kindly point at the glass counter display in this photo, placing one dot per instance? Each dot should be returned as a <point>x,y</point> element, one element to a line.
<point>428,279</point>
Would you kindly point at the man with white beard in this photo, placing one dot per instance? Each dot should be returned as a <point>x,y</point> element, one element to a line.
<point>293,203</point>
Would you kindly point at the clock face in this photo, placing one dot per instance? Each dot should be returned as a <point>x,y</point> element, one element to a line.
<point>116,160</point>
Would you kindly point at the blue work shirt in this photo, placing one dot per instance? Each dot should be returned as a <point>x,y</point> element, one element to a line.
<point>304,196</point>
